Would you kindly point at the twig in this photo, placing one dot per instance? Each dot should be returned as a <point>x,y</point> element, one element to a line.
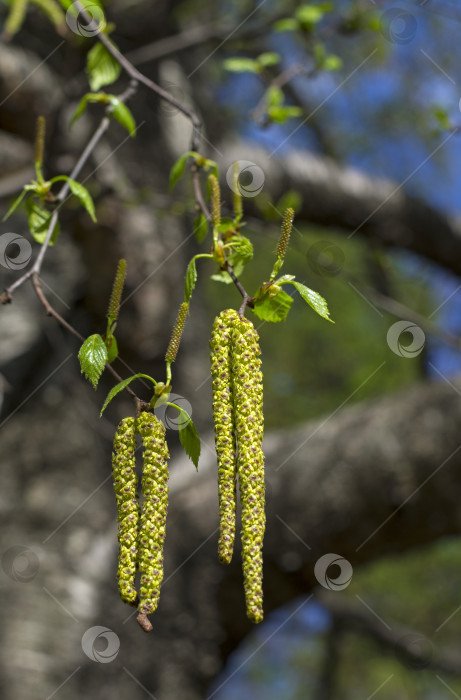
<point>6,296</point>
<point>137,75</point>
<point>52,312</point>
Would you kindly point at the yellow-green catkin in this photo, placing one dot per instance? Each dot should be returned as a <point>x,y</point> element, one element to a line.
<point>176,335</point>
<point>125,486</point>
<point>154,510</point>
<point>215,200</point>
<point>287,225</point>
<point>249,427</point>
<point>40,141</point>
<point>223,415</point>
<point>117,290</point>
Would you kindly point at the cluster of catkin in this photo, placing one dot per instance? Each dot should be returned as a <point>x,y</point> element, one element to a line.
<point>239,422</point>
<point>141,532</point>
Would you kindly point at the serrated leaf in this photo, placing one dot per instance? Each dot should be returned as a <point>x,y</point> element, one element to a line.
<point>112,349</point>
<point>242,253</point>
<point>314,299</point>
<point>273,309</point>
<point>39,220</point>
<point>93,357</point>
<point>121,386</point>
<point>191,279</point>
<point>123,115</point>
<point>241,65</point>
<point>101,68</point>
<point>200,227</point>
<point>189,436</point>
<point>15,205</point>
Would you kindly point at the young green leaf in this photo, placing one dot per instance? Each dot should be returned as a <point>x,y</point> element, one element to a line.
<point>191,279</point>
<point>84,196</point>
<point>123,115</point>
<point>101,68</point>
<point>288,24</point>
<point>269,58</point>
<point>273,308</point>
<point>93,357</point>
<point>15,205</point>
<point>100,97</point>
<point>240,64</point>
<point>242,253</point>
<point>79,191</point>
<point>314,299</point>
<point>200,227</point>
<point>188,436</point>
<point>121,386</point>
<point>39,220</point>
<point>177,171</point>
<point>112,348</point>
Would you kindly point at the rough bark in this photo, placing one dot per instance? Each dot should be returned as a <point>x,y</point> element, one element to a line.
<point>390,466</point>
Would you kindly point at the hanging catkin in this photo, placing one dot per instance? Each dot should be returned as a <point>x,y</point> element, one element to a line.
<point>249,426</point>
<point>223,414</point>
<point>154,510</point>
<point>125,484</point>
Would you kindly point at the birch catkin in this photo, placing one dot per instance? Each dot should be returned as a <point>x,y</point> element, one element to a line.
<point>154,510</point>
<point>223,414</point>
<point>125,485</point>
<point>249,425</point>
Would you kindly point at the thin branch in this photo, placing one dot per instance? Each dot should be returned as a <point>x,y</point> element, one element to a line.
<point>62,322</point>
<point>137,75</point>
<point>6,296</point>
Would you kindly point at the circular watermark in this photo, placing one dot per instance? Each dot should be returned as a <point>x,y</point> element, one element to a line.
<point>80,25</point>
<point>101,644</point>
<point>398,26</point>
<point>416,650</point>
<point>245,178</point>
<point>15,251</point>
<point>329,577</point>
<point>326,258</point>
<point>415,336</point>
<point>20,563</point>
<point>169,415</point>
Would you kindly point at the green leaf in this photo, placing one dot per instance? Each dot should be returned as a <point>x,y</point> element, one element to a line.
<point>289,24</point>
<point>191,279</point>
<point>39,220</point>
<point>274,96</point>
<point>273,308</point>
<point>332,62</point>
<point>200,227</point>
<point>240,64</point>
<point>121,386</point>
<point>308,15</point>
<point>227,224</point>
<point>123,115</point>
<point>284,279</point>
<point>177,171</point>
<point>100,97</point>
<point>93,357</point>
<point>101,67</point>
<point>242,253</point>
<point>269,58</point>
<point>112,349</point>
<point>84,196</point>
<point>222,276</point>
<point>189,436</point>
<point>281,114</point>
<point>314,299</point>
<point>15,205</point>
